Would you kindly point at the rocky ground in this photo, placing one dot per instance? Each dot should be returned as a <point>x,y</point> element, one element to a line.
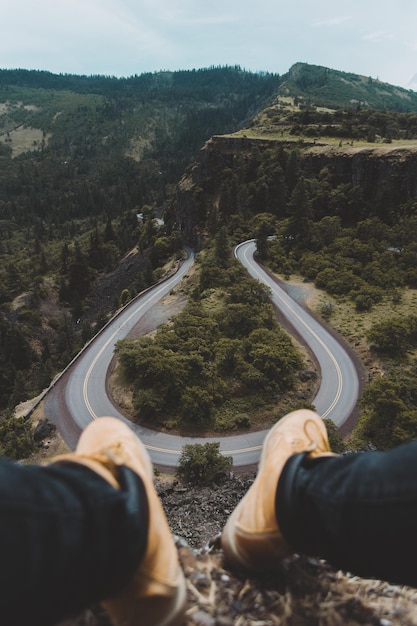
<point>305,591</point>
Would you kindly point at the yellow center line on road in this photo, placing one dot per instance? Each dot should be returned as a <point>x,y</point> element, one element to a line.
<point>226,452</point>
<point>154,296</point>
<point>278,295</point>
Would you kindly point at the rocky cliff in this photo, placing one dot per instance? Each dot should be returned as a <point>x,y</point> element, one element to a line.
<point>386,173</point>
<point>219,153</point>
<point>389,169</point>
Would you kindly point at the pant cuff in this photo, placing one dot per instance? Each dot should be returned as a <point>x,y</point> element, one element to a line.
<point>285,501</point>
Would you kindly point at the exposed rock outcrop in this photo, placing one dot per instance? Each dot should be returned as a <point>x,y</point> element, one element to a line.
<point>378,171</point>
<point>386,173</point>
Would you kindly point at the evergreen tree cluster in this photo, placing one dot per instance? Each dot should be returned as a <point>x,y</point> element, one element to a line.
<point>110,149</point>
<point>331,233</point>
<point>354,244</point>
<point>218,362</point>
<point>389,413</point>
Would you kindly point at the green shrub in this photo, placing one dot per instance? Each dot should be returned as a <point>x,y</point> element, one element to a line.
<point>30,317</point>
<point>16,437</point>
<point>124,297</point>
<point>326,309</point>
<point>335,439</point>
<point>203,464</point>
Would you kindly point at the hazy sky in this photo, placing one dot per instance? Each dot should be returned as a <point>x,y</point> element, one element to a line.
<point>375,38</point>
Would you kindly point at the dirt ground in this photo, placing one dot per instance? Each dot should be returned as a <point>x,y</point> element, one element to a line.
<point>304,591</point>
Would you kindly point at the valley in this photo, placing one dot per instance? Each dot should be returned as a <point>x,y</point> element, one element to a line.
<point>323,161</point>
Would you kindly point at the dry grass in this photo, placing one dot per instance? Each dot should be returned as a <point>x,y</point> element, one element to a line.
<point>304,592</point>
<point>137,147</point>
<point>353,324</point>
<point>282,133</point>
<point>25,140</point>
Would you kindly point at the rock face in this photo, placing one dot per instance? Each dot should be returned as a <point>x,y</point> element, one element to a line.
<point>380,171</point>
<point>385,173</point>
<point>43,430</point>
<point>197,514</point>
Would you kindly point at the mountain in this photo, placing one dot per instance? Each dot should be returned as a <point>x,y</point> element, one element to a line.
<point>318,86</point>
<point>413,83</point>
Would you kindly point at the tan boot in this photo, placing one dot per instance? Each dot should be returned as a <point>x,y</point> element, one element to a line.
<point>251,539</point>
<point>156,594</point>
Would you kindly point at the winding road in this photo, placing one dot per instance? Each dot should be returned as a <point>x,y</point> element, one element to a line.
<point>80,395</point>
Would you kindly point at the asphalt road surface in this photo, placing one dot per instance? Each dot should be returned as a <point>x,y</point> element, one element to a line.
<point>80,395</point>
<point>339,389</point>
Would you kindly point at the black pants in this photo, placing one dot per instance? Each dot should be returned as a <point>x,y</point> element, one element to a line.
<point>67,539</point>
<point>358,511</point>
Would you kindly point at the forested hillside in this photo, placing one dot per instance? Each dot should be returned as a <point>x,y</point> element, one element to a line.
<point>80,158</point>
<point>318,86</point>
<point>322,160</point>
<point>343,217</point>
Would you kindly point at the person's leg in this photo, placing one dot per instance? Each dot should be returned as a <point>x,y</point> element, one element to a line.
<point>252,539</point>
<point>88,527</point>
<point>67,539</point>
<point>358,511</point>
<point>156,593</point>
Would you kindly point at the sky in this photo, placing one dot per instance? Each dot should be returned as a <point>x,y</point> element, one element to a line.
<point>376,38</point>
